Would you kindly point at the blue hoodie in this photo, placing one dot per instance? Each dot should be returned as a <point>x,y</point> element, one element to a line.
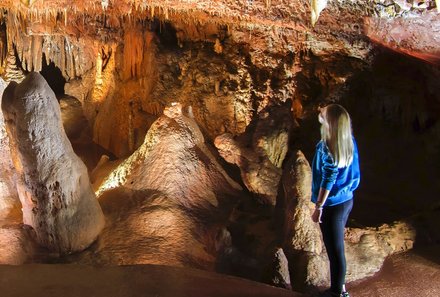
<point>341,182</point>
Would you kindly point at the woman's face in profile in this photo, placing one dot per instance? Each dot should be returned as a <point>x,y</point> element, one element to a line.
<point>321,115</point>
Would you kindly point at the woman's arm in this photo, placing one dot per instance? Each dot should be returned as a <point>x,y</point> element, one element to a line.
<point>322,197</point>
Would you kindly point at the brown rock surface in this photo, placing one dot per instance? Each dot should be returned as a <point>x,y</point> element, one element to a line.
<point>8,193</point>
<point>17,245</point>
<point>53,184</point>
<point>301,236</point>
<point>416,272</point>
<point>171,197</point>
<point>259,174</point>
<point>418,35</point>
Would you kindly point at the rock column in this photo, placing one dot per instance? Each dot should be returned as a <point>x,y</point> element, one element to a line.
<point>53,183</point>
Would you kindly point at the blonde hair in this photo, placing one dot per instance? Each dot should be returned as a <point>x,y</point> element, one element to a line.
<point>336,133</point>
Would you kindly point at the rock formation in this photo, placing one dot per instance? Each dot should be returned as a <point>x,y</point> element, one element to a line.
<point>260,159</point>
<point>278,272</point>
<point>260,176</point>
<point>53,184</point>
<point>17,245</point>
<point>301,237</point>
<point>170,196</point>
<point>8,192</point>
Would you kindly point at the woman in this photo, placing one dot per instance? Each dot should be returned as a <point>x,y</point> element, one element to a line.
<point>335,175</point>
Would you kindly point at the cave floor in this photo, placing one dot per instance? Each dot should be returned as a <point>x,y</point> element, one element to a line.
<point>410,274</point>
<point>415,273</point>
<point>142,280</point>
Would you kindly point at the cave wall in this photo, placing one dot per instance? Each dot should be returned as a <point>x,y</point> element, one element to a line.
<point>138,61</point>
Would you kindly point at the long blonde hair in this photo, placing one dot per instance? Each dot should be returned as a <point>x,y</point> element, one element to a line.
<point>336,133</point>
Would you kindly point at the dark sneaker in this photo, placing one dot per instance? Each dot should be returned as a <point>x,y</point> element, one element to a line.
<point>329,293</point>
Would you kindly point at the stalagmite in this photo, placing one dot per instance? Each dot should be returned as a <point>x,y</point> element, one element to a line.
<point>158,194</point>
<point>8,192</point>
<point>53,183</point>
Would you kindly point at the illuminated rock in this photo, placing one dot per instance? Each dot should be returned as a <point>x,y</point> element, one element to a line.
<point>259,175</point>
<point>170,196</point>
<point>416,36</point>
<point>17,245</point>
<point>260,159</point>
<point>8,191</point>
<point>302,238</point>
<point>53,184</point>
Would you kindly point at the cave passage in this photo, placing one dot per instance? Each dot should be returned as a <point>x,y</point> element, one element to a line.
<point>53,76</point>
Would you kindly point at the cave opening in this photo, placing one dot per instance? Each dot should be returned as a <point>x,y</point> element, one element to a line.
<point>395,114</point>
<point>53,76</point>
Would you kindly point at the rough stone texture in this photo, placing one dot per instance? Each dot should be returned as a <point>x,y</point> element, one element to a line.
<point>238,57</point>
<point>271,136</point>
<point>259,174</point>
<point>72,116</point>
<point>171,194</point>
<point>17,245</point>
<point>278,272</point>
<point>8,193</point>
<point>231,61</point>
<point>53,186</point>
<point>366,249</point>
<point>403,275</point>
<point>302,238</point>
<point>418,36</point>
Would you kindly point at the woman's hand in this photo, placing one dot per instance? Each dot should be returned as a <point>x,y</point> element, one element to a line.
<point>316,216</point>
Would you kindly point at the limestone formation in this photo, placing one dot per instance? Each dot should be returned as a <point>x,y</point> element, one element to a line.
<point>8,191</point>
<point>259,175</point>
<point>277,273</point>
<point>367,248</point>
<point>417,35</point>
<point>301,236</point>
<point>17,245</point>
<point>260,157</point>
<point>72,116</point>
<point>171,195</point>
<point>53,183</point>
<point>271,135</point>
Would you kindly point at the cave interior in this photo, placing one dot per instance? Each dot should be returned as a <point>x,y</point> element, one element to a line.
<point>178,124</point>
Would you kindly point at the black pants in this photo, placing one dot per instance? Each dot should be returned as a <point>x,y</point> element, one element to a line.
<point>333,223</point>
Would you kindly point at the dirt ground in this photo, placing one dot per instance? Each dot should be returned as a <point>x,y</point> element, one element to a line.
<point>416,273</point>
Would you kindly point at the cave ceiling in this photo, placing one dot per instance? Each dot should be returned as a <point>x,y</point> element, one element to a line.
<point>411,27</point>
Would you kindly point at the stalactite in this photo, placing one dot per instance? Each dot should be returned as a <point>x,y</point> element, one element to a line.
<point>62,59</point>
<point>133,53</point>
<point>37,53</point>
<point>3,46</point>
